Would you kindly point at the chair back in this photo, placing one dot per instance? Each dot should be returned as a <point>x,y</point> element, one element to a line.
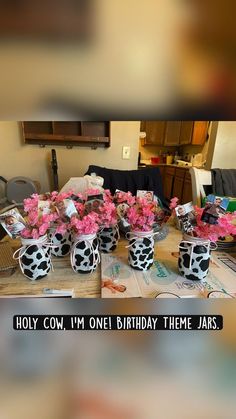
<point>19,188</point>
<point>200,178</point>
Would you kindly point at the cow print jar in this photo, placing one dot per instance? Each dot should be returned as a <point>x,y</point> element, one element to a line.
<point>108,239</point>
<point>61,243</point>
<point>34,258</point>
<point>85,254</point>
<point>194,258</point>
<point>141,250</point>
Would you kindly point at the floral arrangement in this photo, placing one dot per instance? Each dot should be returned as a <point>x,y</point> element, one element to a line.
<point>104,212</point>
<point>43,214</point>
<point>36,226</point>
<point>87,224</point>
<point>124,198</point>
<point>141,215</point>
<point>226,224</point>
<point>107,215</point>
<point>39,223</point>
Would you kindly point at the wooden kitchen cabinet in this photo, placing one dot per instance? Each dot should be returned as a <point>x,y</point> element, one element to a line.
<point>155,131</point>
<point>178,183</point>
<point>175,133</point>
<point>168,180</point>
<point>172,133</point>
<point>186,132</point>
<point>200,131</point>
<point>187,189</point>
<point>69,133</point>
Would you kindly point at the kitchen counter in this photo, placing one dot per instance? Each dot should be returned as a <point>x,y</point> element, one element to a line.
<point>148,164</point>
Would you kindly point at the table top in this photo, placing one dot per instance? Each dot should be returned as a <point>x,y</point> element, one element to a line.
<point>14,283</point>
<point>63,277</point>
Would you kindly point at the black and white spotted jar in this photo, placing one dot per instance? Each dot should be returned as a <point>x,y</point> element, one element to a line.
<point>61,243</point>
<point>34,257</point>
<point>108,239</point>
<point>141,250</point>
<point>85,255</point>
<point>194,258</point>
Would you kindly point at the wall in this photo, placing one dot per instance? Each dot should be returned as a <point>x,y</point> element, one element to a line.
<point>225,146</point>
<point>32,161</point>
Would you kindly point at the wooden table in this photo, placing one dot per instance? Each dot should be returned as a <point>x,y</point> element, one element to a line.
<point>63,277</point>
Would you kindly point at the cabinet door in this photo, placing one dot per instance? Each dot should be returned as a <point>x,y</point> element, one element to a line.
<point>186,131</point>
<point>172,133</point>
<point>178,184</point>
<point>187,190</point>
<point>155,131</point>
<point>168,179</point>
<point>200,130</point>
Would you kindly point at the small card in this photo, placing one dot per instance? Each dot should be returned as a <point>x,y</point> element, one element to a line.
<point>186,217</point>
<point>148,195</point>
<point>66,209</point>
<point>44,207</point>
<point>121,212</point>
<point>215,207</point>
<point>93,202</point>
<point>12,222</point>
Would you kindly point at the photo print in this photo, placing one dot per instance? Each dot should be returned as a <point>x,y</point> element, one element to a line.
<point>186,217</point>
<point>215,207</point>
<point>12,222</point>
<point>93,202</point>
<point>148,195</point>
<point>66,209</point>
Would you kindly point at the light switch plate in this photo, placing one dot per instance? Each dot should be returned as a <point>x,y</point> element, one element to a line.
<point>126,152</point>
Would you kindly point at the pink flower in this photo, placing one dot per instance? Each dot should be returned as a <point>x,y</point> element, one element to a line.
<point>31,203</point>
<point>173,203</point>
<point>80,208</point>
<point>107,214</point>
<point>26,233</point>
<point>125,197</point>
<point>87,225</point>
<point>63,195</point>
<point>141,216</point>
<point>107,196</point>
<point>42,230</point>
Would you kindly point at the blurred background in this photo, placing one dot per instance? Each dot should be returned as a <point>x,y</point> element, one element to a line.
<point>90,59</point>
<point>99,375</point>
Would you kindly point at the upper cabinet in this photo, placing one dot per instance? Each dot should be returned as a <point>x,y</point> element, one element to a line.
<point>94,134</point>
<point>155,132</point>
<point>172,133</point>
<point>175,133</point>
<point>200,132</point>
<point>186,132</point>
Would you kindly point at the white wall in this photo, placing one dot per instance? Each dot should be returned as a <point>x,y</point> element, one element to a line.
<point>224,156</point>
<point>18,159</point>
